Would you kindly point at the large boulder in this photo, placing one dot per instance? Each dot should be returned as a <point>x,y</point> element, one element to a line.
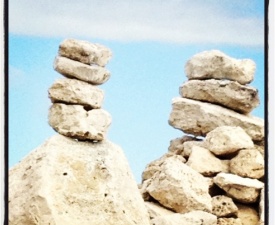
<point>76,122</point>
<point>72,69</point>
<point>69,182</point>
<point>230,94</point>
<point>243,190</point>
<point>217,65</point>
<point>199,118</point>
<point>248,163</point>
<point>178,187</point>
<point>225,140</point>
<point>74,91</point>
<point>85,52</point>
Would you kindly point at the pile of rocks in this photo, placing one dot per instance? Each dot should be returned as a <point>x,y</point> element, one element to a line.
<point>215,173</point>
<point>67,181</point>
<point>76,111</point>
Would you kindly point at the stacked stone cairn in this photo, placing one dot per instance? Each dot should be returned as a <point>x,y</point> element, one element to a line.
<point>215,173</point>
<point>76,111</point>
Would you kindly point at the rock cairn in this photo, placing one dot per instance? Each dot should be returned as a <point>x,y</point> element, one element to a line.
<point>76,111</point>
<point>215,173</point>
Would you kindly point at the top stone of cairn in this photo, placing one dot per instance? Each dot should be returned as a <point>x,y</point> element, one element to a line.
<point>85,52</point>
<point>216,65</point>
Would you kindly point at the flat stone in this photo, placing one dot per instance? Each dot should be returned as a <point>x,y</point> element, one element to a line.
<point>248,214</point>
<point>74,91</point>
<point>225,140</point>
<point>204,162</point>
<point>199,118</point>
<point>178,187</point>
<point>191,218</point>
<point>243,190</point>
<point>229,94</point>
<point>85,52</point>
<point>72,69</point>
<point>215,64</point>
<point>64,181</point>
<point>75,122</point>
<point>248,163</point>
<point>223,206</point>
<point>229,221</point>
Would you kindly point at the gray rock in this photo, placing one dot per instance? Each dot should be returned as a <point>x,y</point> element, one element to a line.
<point>199,118</point>
<point>229,94</point>
<point>244,190</point>
<point>73,91</point>
<point>75,122</point>
<point>176,145</point>
<point>64,181</point>
<point>188,146</point>
<point>217,65</point>
<point>72,69</point>
<point>85,52</point>
<point>248,163</point>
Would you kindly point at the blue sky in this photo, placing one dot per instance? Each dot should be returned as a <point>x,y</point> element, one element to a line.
<point>151,42</point>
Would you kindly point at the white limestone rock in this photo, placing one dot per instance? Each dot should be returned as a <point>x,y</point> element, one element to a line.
<point>64,181</point>
<point>156,210</point>
<point>229,221</point>
<point>248,215</point>
<point>225,165</point>
<point>178,187</point>
<point>223,206</point>
<point>217,65</point>
<point>74,91</point>
<point>229,94</point>
<point>262,208</point>
<point>155,165</point>
<point>225,140</point>
<point>191,218</point>
<point>75,122</point>
<point>248,163</point>
<point>204,162</point>
<point>188,146</point>
<point>85,52</point>
<point>72,69</point>
<point>199,118</point>
<point>243,190</point>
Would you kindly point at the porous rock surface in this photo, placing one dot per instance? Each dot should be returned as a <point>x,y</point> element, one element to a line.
<point>215,64</point>
<point>76,122</point>
<point>85,52</point>
<point>244,190</point>
<point>223,206</point>
<point>224,140</point>
<point>92,74</point>
<point>177,186</point>
<point>199,118</point>
<point>248,163</point>
<point>230,94</point>
<point>74,91</point>
<point>69,182</point>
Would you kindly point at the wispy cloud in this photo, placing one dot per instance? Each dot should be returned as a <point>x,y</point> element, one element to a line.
<point>177,21</point>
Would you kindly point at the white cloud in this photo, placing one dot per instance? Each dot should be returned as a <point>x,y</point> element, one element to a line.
<point>177,21</point>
